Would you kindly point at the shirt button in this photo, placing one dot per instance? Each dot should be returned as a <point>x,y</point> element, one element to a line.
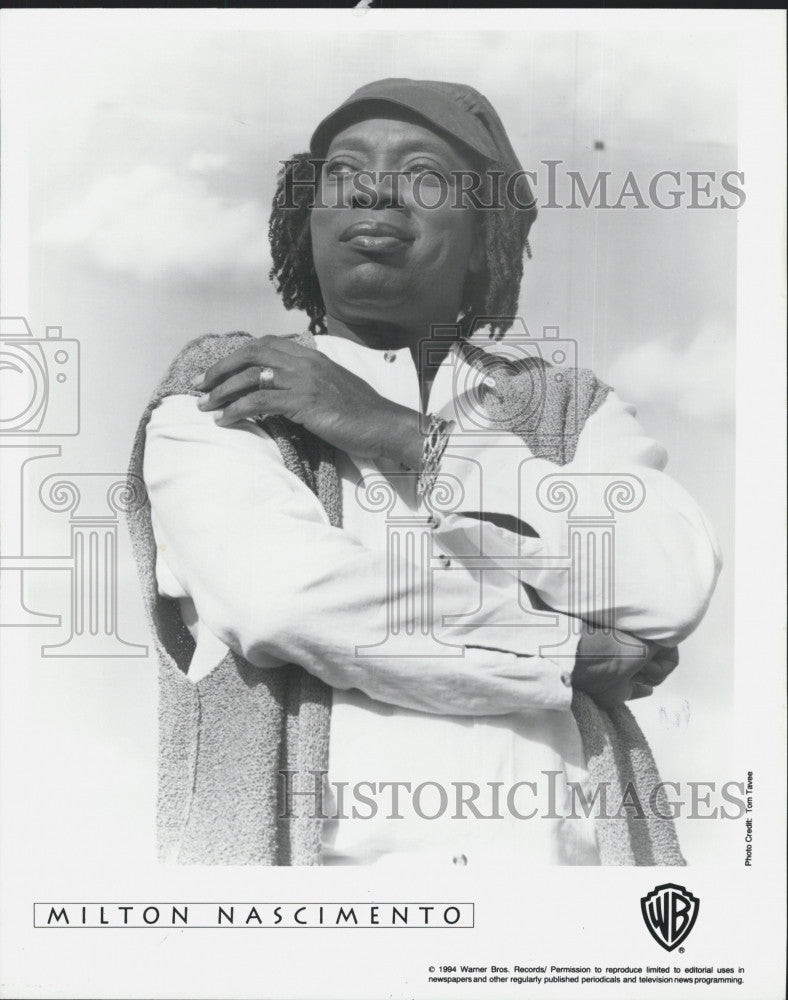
<point>566,680</point>
<point>389,356</point>
<point>444,560</point>
<point>459,859</point>
<point>434,521</point>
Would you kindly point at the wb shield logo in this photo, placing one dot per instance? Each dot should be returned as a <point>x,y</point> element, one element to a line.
<point>670,912</point>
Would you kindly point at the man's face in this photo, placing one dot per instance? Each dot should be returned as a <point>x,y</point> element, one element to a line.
<point>397,262</point>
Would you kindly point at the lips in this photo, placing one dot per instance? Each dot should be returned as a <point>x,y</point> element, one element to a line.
<point>375,235</point>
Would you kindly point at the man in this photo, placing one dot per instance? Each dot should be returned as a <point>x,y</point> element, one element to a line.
<point>272,497</point>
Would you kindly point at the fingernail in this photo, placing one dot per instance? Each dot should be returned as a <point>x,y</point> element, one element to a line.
<point>218,416</point>
<point>198,380</point>
<point>203,399</point>
<point>489,381</point>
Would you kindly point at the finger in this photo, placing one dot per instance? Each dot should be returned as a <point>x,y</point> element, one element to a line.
<point>669,654</point>
<point>655,650</point>
<point>238,386</point>
<point>265,403</point>
<point>258,353</point>
<point>658,669</point>
<point>640,691</point>
<point>640,649</point>
<point>287,344</point>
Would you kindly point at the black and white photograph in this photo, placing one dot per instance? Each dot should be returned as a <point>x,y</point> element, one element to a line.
<point>392,565</point>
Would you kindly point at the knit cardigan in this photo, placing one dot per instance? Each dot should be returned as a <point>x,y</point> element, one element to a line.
<point>224,740</point>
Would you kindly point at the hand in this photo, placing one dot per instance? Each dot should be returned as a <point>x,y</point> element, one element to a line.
<point>315,392</point>
<point>610,678</point>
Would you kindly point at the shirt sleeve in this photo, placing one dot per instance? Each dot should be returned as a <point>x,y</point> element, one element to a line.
<point>269,576</point>
<point>665,555</point>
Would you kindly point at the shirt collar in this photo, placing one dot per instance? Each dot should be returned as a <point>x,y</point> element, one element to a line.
<point>392,372</point>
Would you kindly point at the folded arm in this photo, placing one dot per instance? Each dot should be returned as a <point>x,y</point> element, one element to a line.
<point>666,556</point>
<point>272,579</point>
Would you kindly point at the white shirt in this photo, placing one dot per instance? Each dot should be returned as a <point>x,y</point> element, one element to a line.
<point>248,551</point>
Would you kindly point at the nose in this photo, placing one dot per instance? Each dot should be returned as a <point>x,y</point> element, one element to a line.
<point>376,189</point>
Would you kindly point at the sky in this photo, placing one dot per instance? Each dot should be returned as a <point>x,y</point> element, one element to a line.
<point>152,155</point>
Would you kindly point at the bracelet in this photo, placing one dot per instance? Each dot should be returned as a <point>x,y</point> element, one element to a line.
<point>434,446</point>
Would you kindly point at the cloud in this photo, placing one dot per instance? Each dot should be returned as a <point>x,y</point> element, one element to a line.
<point>696,379</point>
<point>207,163</point>
<point>156,224</point>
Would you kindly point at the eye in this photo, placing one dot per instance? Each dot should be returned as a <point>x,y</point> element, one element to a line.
<point>427,174</point>
<point>338,167</point>
<point>424,167</point>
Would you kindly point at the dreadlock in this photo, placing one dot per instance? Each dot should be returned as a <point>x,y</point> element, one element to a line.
<point>491,293</point>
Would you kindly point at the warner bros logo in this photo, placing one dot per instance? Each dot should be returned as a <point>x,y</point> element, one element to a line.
<point>670,912</point>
